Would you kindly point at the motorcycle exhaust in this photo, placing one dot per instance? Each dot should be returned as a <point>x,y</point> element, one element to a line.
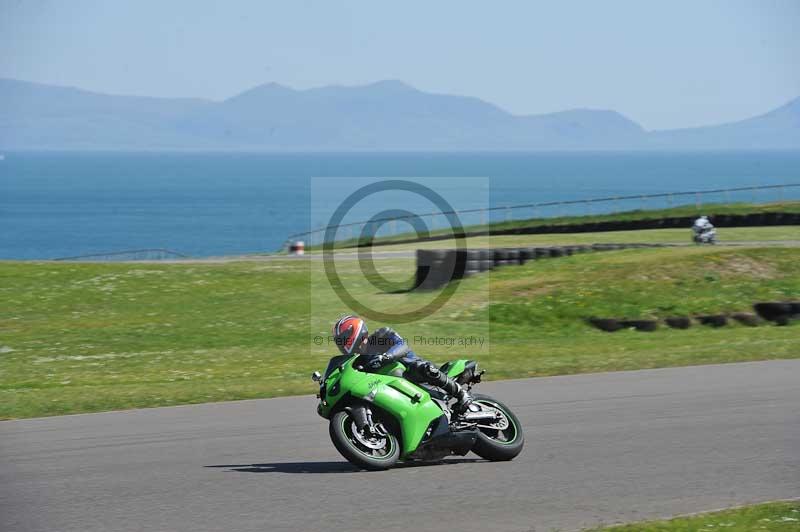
<point>479,416</point>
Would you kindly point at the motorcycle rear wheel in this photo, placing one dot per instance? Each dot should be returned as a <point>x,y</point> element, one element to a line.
<point>366,452</point>
<point>499,445</point>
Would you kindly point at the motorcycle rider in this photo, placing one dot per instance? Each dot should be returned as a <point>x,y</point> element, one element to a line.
<point>385,346</point>
<point>702,225</point>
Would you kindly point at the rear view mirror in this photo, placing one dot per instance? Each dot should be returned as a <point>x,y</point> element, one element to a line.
<point>316,376</point>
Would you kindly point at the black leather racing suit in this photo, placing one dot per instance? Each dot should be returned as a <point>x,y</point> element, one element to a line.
<point>385,346</point>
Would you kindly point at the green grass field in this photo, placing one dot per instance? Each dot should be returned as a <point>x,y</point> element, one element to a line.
<point>714,209</point>
<point>85,337</point>
<point>769,517</point>
<point>648,236</point>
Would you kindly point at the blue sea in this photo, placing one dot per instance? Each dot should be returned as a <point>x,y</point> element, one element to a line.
<point>64,204</point>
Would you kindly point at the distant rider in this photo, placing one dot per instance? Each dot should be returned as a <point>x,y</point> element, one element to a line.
<point>702,225</point>
<point>385,346</point>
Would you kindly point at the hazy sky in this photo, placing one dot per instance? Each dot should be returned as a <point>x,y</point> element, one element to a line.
<point>667,64</point>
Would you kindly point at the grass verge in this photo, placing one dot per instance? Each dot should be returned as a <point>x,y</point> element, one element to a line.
<point>768,517</point>
<point>78,337</point>
<point>785,233</point>
<point>714,209</point>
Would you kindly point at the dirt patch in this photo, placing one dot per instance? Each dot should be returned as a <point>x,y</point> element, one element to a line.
<point>532,291</point>
<point>746,266</point>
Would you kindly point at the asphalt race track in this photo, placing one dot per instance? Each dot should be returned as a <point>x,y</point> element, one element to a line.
<point>600,448</point>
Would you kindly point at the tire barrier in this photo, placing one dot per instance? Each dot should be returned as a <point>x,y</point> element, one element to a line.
<point>437,267</point>
<point>722,220</point>
<point>526,254</point>
<point>640,325</point>
<point>605,324</point>
<point>780,313</point>
<point>719,220</point>
<point>678,322</point>
<point>714,320</point>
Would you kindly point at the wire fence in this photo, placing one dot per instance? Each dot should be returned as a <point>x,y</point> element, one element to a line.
<point>129,255</point>
<point>508,213</point>
<point>382,227</point>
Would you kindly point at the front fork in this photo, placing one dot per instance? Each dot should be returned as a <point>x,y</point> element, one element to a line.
<point>362,416</point>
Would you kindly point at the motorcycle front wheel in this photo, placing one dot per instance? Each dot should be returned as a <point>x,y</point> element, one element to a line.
<point>503,439</point>
<point>367,451</point>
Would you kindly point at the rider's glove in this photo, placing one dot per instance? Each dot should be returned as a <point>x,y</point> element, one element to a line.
<point>431,371</point>
<point>377,361</point>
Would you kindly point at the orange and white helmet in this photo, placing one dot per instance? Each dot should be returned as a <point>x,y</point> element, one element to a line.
<point>348,333</point>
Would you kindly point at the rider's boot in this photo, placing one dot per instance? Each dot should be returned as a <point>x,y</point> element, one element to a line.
<point>464,399</point>
<point>454,389</point>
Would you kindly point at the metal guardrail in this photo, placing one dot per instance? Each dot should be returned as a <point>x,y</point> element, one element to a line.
<point>698,196</point>
<point>130,254</point>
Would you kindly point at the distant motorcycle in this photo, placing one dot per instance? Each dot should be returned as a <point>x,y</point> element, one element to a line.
<point>708,236</point>
<point>703,231</point>
<point>379,418</point>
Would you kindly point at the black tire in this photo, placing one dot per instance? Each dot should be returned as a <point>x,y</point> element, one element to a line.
<point>679,322</point>
<point>491,447</point>
<point>433,277</point>
<point>606,324</point>
<point>640,325</point>
<point>472,254</point>
<point>713,320</point>
<point>472,265</point>
<point>340,430</point>
<point>777,312</point>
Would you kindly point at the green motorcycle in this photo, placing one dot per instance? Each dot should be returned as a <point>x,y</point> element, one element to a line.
<point>378,418</point>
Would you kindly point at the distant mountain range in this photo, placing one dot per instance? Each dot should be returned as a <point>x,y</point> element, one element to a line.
<point>387,115</point>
